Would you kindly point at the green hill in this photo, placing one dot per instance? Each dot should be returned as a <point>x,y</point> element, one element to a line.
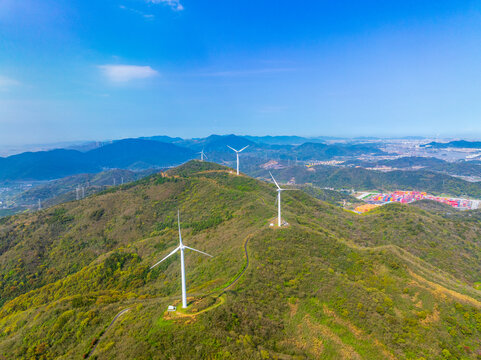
<point>398,283</point>
<point>363,179</point>
<point>431,205</point>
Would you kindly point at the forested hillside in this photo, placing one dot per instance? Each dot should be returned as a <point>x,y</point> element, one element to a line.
<point>398,283</point>
<point>363,179</point>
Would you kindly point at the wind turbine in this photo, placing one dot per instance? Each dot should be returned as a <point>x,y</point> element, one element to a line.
<point>181,247</point>
<point>279,190</point>
<point>237,153</point>
<point>202,155</point>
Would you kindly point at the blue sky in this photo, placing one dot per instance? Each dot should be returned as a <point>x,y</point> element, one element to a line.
<point>106,69</point>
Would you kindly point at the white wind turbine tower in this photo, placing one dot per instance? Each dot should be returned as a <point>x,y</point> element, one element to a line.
<point>279,190</point>
<point>202,155</point>
<point>237,153</point>
<point>181,247</point>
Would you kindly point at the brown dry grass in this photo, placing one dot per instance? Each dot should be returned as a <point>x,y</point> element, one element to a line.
<point>345,351</point>
<point>358,333</point>
<point>442,292</point>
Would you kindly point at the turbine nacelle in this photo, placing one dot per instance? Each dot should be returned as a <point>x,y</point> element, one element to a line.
<point>237,154</point>
<point>238,151</point>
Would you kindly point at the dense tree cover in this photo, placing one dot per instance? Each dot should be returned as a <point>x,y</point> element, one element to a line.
<point>398,283</point>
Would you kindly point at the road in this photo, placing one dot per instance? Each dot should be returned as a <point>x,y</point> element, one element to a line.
<point>108,327</point>
<point>242,272</point>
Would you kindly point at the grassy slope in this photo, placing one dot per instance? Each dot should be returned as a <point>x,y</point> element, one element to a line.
<point>396,283</point>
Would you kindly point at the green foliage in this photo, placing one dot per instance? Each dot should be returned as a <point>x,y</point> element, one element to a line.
<point>60,216</point>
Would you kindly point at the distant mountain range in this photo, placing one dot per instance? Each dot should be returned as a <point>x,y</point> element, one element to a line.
<point>461,144</point>
<point>127,154</point>
<point>165,151</point>
<point>286,140</point>
<point>219,143</point>
<point>315,151</point>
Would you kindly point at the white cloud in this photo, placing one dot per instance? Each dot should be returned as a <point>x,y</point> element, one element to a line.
<point>174,4</point>
<point>125,73</point>
<point>7,83</point>
<point>138,12</point>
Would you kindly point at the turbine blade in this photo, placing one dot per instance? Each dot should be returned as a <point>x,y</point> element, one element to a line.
<point>275,181</point>
<point>245,147</point>
<point>172,253</point>
<point>197,251</point>
<point>205,156</point>
<point>231,148</point>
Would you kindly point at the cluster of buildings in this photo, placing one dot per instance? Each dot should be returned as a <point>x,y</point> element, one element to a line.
<point>406,197</point>
<point>272,165</point>
<point>329,162</point>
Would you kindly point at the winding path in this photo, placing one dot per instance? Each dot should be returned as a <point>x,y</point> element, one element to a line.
<point>243,270</point>
<point>108,327</point>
